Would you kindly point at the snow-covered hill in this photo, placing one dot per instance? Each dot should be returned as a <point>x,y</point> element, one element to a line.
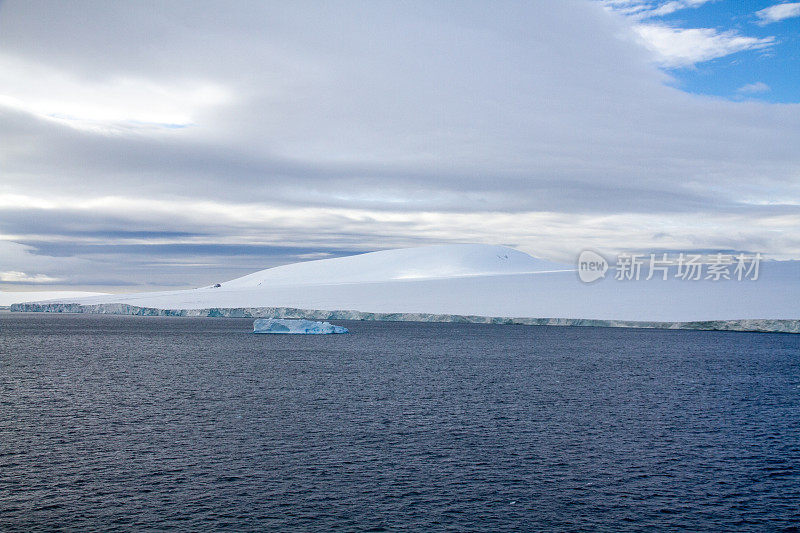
<point>429,262</point>
<point>8,298</point>
<point>483,280</point>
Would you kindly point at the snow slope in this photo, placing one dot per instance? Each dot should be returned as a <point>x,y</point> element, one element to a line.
<point>484,280</point>
<point>8,298</point>
<point>429,262</point>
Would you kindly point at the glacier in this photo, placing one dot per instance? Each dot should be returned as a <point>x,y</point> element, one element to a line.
<point>468,282</point>
<point>295,327</point>
<point>7,299</point>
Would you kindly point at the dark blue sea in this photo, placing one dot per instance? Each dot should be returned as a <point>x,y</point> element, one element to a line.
<point>117,423</point>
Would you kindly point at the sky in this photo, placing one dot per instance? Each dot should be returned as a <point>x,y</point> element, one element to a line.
<point>149,145</point>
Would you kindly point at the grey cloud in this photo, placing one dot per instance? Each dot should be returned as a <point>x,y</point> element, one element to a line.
<point>532,114</point>
<point>117,165</point>
<point>183,250</point>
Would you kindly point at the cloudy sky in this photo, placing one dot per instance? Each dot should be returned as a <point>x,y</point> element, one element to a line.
<point>165,144</point>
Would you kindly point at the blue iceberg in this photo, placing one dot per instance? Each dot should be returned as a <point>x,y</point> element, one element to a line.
<point>295,327</point>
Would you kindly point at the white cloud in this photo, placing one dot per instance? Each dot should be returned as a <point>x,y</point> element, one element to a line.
<point>685,47</point>
<point>675,5</point>
<point>631,8</point>
<point>676,47</point>
<point>643,9</point>
<point>104,104</point>
<point>752,88</point>
<point>778,12</point>
<point>12,276</point>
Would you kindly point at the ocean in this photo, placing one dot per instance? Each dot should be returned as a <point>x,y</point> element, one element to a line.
<point>119,423</point>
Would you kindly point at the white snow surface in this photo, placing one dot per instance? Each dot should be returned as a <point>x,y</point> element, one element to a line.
<point>484,280</point>
<point>8,298</point>
<point>295,327</point>
<point>429,262</point>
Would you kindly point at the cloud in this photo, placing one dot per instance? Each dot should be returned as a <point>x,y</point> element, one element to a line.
<point>778,12</point>
<point>117,103</point>
<point>753,88</point>
<point>12,276</point>
<point>358,126</point>
<point>644,9</point>
<point>685,47</point>
<point>677,47</point>
<point>667,8</point>
<point>239,238</point>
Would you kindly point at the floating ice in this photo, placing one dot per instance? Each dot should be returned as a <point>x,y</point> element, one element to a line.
<point>297,327</point>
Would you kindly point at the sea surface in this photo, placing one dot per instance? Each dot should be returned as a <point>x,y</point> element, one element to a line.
<point>119,423</point>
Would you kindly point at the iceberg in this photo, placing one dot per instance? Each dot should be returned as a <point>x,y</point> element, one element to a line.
<point>296,327</point>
